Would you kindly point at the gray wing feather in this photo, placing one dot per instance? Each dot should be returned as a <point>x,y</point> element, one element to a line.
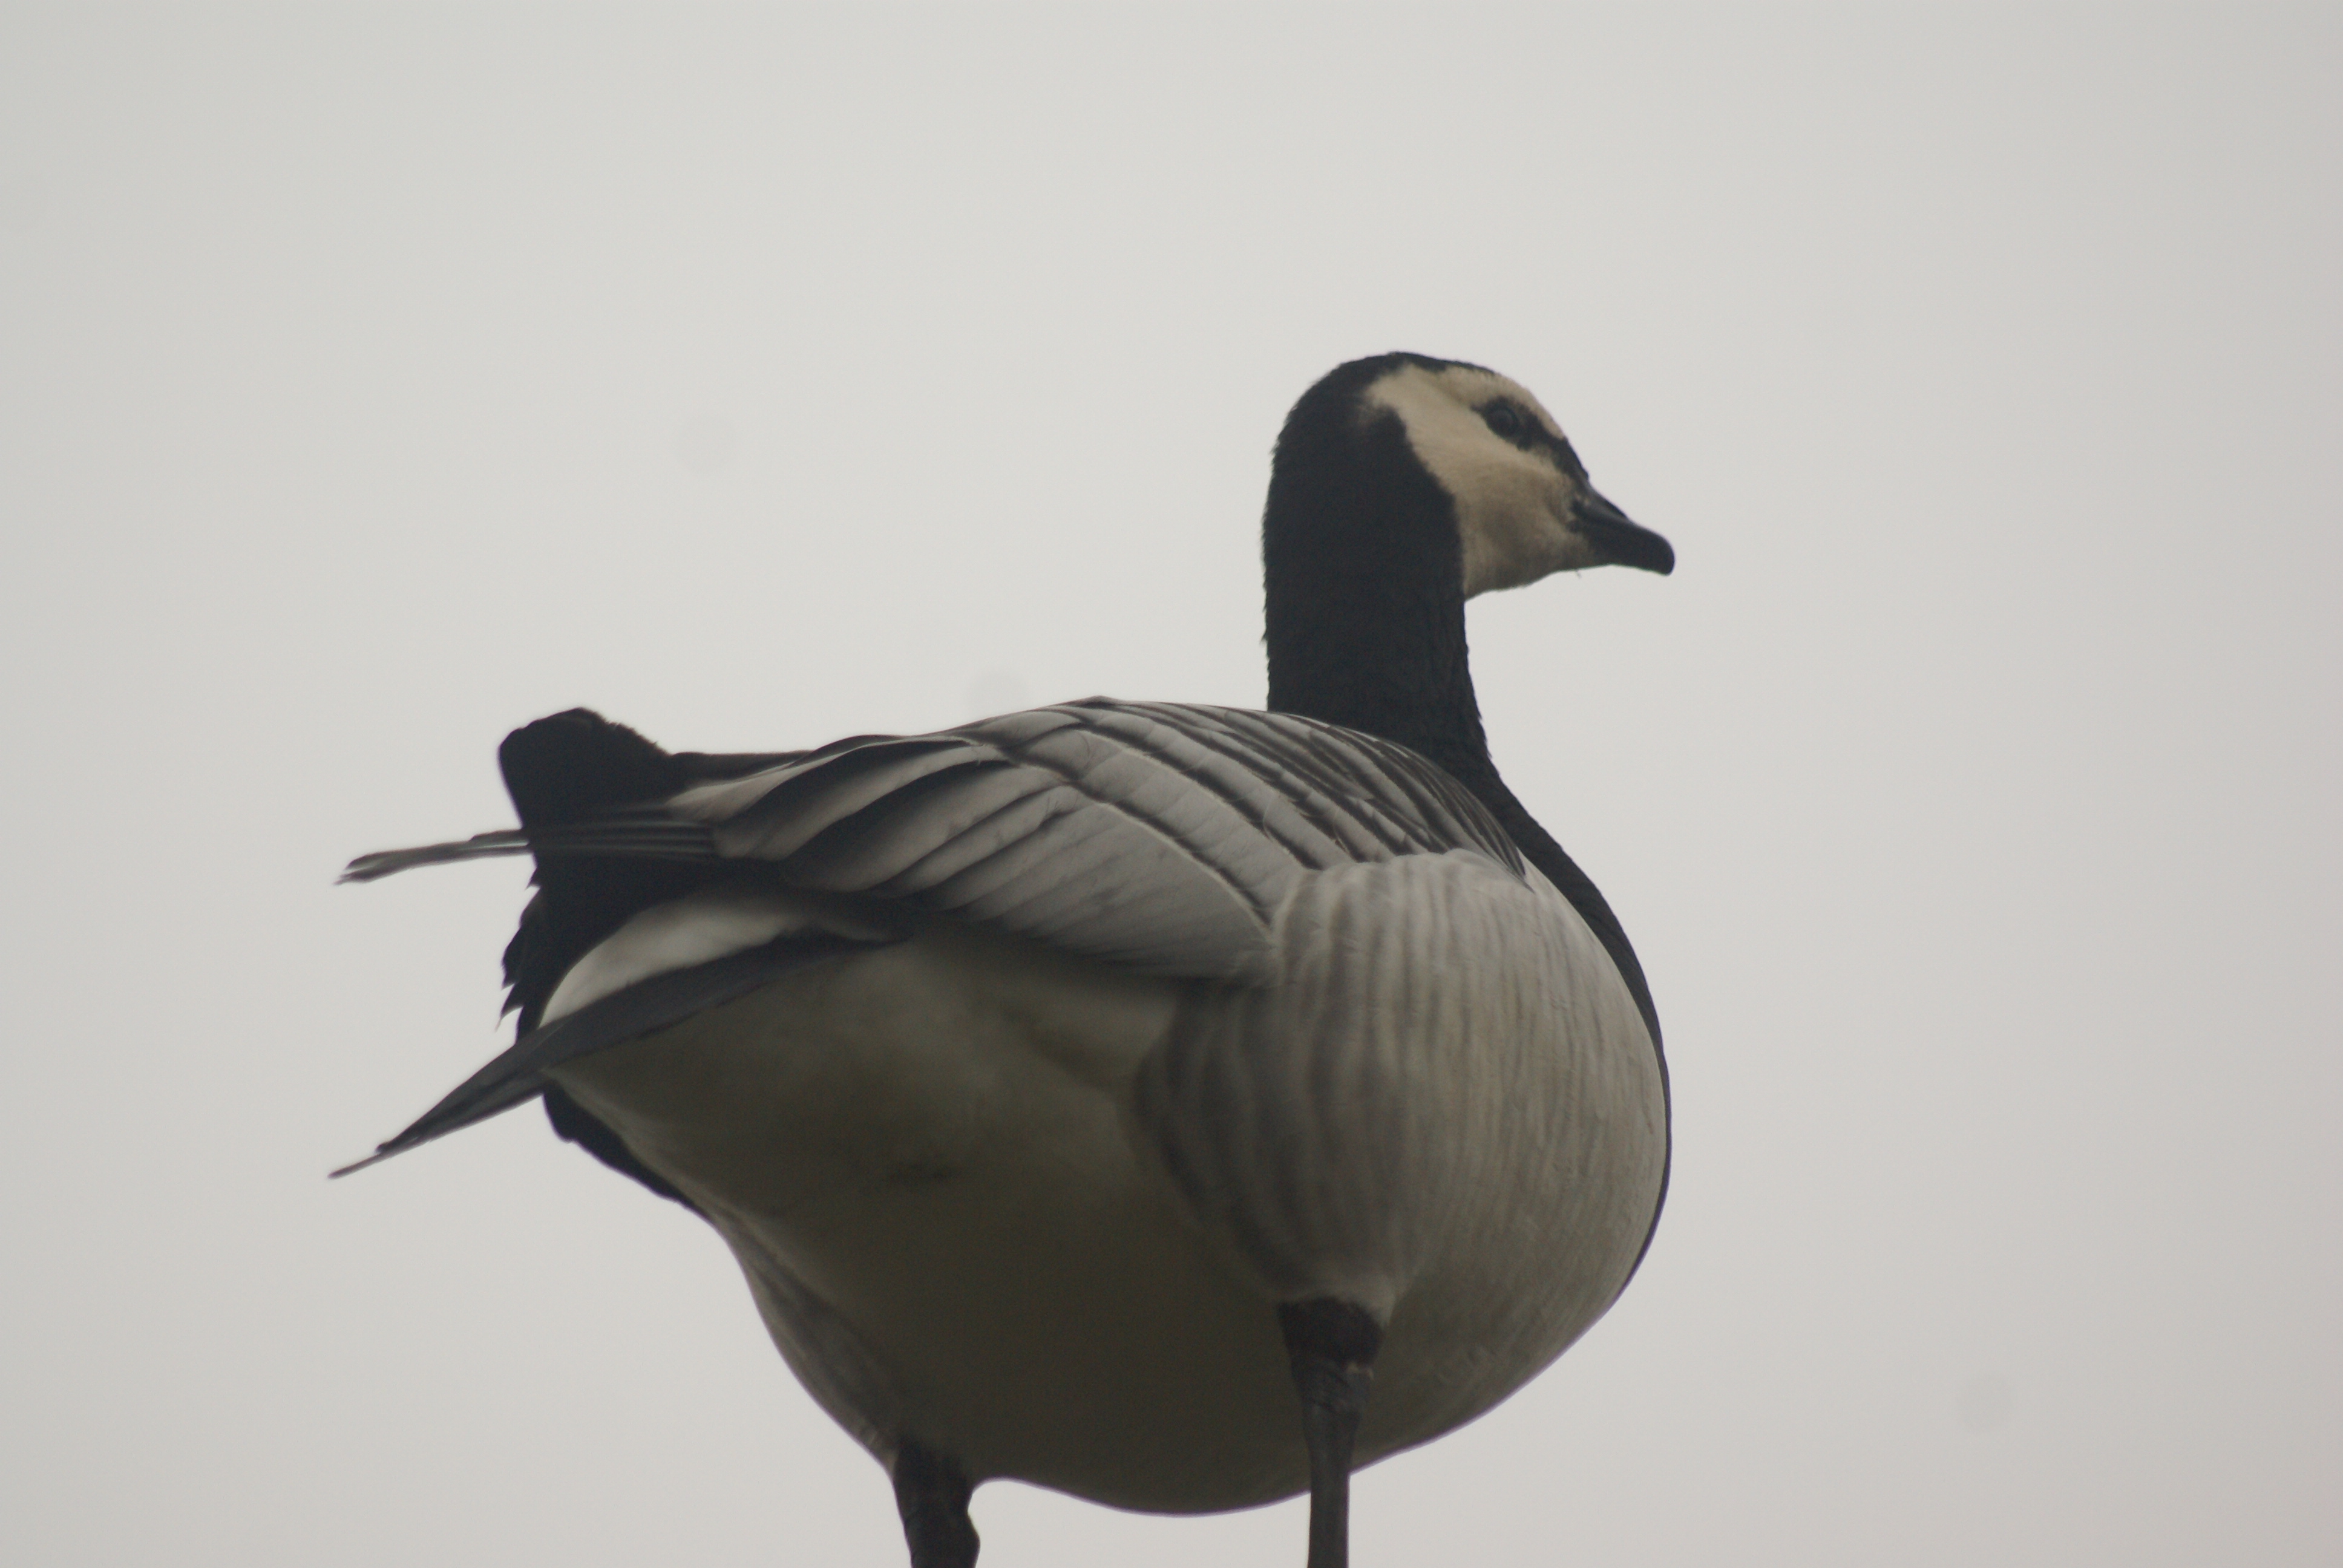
<point>1159,837</point>
<point>783,810</point>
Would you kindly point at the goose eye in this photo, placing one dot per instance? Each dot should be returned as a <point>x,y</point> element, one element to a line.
<point>1503,419</point>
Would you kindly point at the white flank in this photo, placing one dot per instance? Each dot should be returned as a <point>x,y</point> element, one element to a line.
<point>710,924</point>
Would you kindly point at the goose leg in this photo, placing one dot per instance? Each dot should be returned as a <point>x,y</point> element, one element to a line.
<point>1332,1345</point>
<point>931,1494</point>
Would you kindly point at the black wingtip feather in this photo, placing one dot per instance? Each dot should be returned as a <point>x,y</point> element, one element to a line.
<point>568,768</point>
<point>578,763</point>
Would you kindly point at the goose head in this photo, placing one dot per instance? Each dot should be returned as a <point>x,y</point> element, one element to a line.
<point>1402,487</point>
<point>1525,508</point>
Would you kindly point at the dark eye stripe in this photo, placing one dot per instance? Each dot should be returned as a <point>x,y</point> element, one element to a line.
<point>1528,432</point>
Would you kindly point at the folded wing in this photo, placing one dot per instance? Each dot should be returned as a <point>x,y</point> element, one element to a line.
<point>1155,837</point>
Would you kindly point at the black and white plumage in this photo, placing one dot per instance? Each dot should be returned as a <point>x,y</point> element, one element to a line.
<point>1074,1085</point>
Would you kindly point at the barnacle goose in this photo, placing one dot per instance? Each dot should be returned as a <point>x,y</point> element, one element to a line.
<point>1078,1086</point>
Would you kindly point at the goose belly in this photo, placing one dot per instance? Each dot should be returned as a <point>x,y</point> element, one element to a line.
<point>921,1158</point>
<point>927,1161</point>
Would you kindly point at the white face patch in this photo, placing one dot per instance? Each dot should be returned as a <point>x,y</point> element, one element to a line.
<point>1513,507</point>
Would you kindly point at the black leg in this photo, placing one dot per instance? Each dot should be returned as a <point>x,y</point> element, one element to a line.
<point>1333,1345</point>
<point>932,1496</point>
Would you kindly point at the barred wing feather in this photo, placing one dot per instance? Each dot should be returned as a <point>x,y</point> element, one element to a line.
<point>1158,837</point>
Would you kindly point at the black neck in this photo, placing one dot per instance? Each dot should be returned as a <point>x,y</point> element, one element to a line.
<point>1365,619</point>
<point>1366,594</point>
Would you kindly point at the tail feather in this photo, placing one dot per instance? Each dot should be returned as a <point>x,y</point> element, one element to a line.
<point>588,793</point>
<point>479,847</point>
<point>624,838</point>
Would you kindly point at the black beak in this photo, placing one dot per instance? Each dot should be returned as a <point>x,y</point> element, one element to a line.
<point>1616,540</point>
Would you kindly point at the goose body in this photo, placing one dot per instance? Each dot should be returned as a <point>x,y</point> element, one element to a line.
<point>1074,1085</point>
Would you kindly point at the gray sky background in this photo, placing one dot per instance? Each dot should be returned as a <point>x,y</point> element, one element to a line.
<point>373,381</point>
